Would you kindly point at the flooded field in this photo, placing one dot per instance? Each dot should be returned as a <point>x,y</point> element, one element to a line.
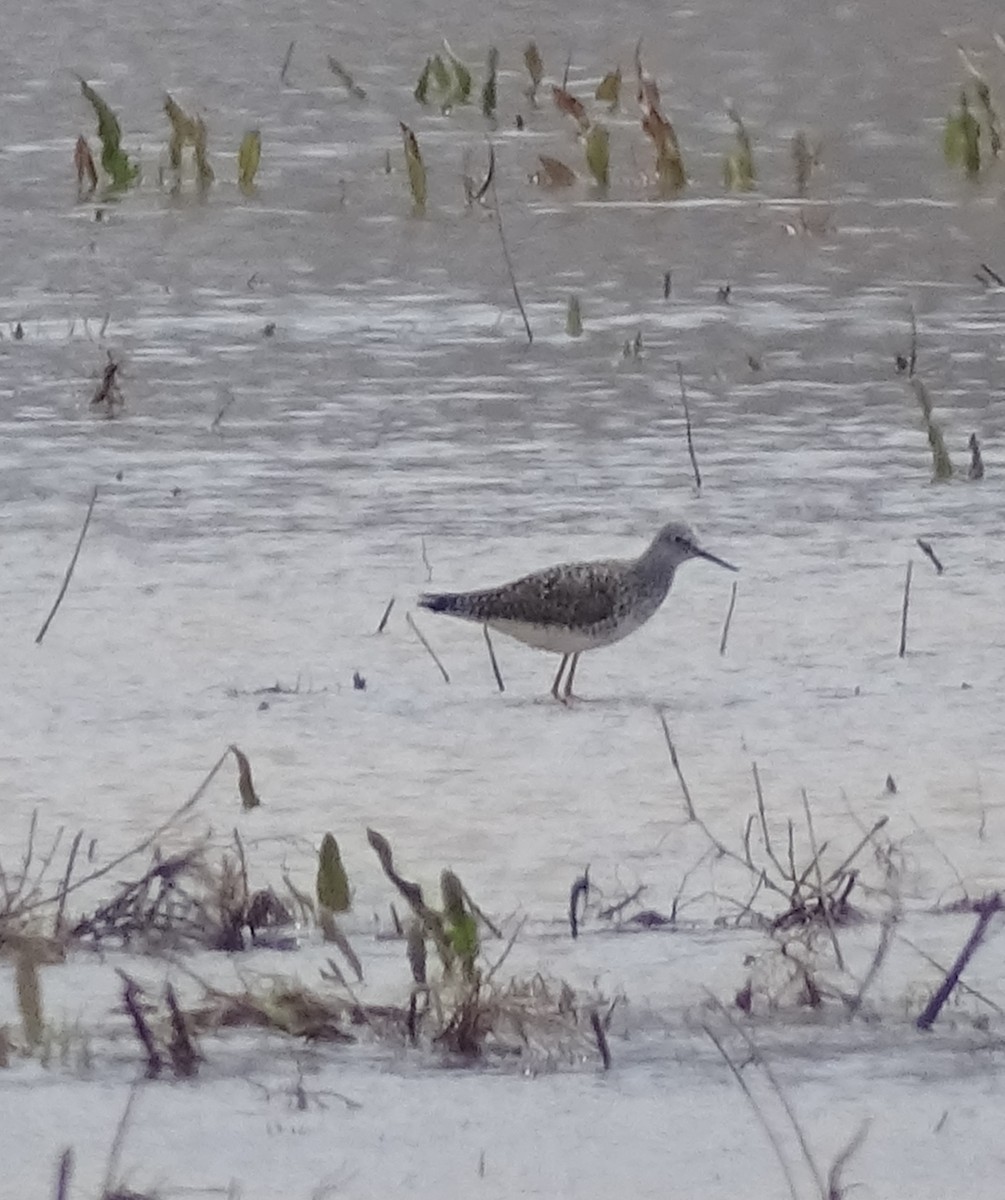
<point>328,401</point>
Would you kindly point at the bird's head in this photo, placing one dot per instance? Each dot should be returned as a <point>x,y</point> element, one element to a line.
<point>677,542</point>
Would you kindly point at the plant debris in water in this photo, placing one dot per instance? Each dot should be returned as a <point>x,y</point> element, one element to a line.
<point>249,155</point>
<point>187,131</point>
<point>535,69</point>
<point>114,161</point>
<point>598,155</point>
<point>416,168</point>
<point>738,173</point>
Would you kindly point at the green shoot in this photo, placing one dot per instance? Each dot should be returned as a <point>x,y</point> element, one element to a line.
<point>598,154</point>
<point>416,168</point>
<point>248,157</point>
<point>114,159</point>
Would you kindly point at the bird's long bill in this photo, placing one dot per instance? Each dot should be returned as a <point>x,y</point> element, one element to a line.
<point>712,558</point>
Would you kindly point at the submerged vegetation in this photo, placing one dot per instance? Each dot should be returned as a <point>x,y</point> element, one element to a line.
<point>121,172</point>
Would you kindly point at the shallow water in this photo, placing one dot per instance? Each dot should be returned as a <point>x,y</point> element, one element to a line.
<point>396,431</point>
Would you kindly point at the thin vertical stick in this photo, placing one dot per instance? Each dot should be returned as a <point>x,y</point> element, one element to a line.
<point>912,362</point>
<point>492,659</point>
<point>509,264</point>
<point>823,897</point>
<point>689,806</point>
<point>726,623</point>
<point>65,1174</point>
<point>69,570</point>
<point>432,653</point>
<point>759,1113</point>
<point>986,909</point>
<point>58,923</point>
<point>687,427</point>
<point>904,611</point>
<point>115,1152</point>
<point>387,613</point>
<point>286,63</point>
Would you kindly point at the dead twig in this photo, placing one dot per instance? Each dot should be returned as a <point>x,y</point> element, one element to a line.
<point>145,844</point>
<point>118,1141</point>
<point>835,1189</point>
<point>184,1056</point>
<point>824,899</point>
<point>131,993</point>
<point>64,1175</point>
<point>689,807</point>
<point>69,570</point>
<point>687,428</point>
<point>986,910</point>
<point>759,1113</point>
<point>728,621</point>
<point>926,549</point>
<point>912,361</point>
<point>509,264</point>
<point>387,612</point>
<point>580,890</point>
<point>57,926</point>
<point>429,649</point>
<point>904,611</point>
<point>286,63</point>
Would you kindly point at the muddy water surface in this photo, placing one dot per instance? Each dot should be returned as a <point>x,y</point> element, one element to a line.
<point>394,431</point>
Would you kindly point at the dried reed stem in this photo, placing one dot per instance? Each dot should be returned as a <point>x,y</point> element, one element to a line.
<point>581,888</point>
<point>286,63</point>
<point>429,649</point>
<point>904,611</point>
<point>71,859</point>
<point>387,613</point>
<point>509,264</point>
<point>689,807</point>
<point>929,553</point>
<point>728,620</point>
<point>148,841</point>
<point>69,570</point>
<point>687,428</point>
<point>825,907</point>
<point>772,1137</point>
<point>912,361</point>
<point>986,909</point>
<point>64,1175</point>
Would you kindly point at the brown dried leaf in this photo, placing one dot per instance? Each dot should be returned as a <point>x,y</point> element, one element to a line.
<point>249,797</point>
<point>649,93</point>
<point>416,167</point>
<point>553,173</point>
<point>568,104</point>
<point>535,66</point>
<point>83,161</point>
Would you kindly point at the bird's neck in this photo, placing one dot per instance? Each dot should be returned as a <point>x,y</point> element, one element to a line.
<point>656,567</point>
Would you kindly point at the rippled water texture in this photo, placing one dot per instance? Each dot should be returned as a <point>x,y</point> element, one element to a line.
<point>395,431</point>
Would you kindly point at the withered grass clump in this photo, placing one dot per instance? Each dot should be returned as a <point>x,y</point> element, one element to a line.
<point>184,900</point>
<point>468,1018</point>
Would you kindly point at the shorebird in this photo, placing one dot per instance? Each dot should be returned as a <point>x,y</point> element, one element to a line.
<point>574,607</point>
